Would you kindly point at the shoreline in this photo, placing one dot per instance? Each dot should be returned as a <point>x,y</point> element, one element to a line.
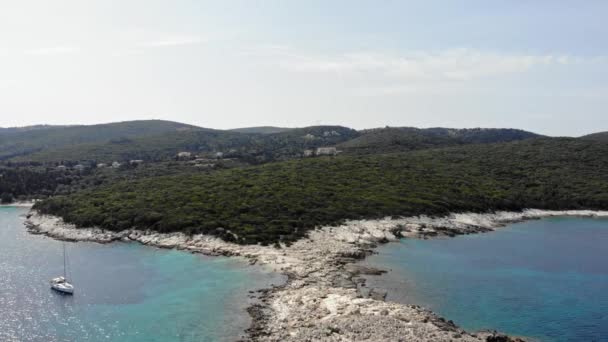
<point>320,299</point>
<point>26,204</point>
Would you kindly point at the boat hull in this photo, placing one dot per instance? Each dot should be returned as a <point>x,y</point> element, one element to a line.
<point>63,288</point>
<point>61,285</point>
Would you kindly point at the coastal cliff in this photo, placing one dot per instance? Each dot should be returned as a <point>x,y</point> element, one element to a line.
<point>321,299</point>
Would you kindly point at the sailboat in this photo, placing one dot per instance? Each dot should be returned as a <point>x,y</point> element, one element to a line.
<point>61,284</point>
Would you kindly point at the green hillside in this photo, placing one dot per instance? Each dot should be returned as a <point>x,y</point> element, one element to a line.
<point>601,136</point>
<point>395,139</point>
<point>283,200</point>
<point>16,130</point>
<point>254,148</point>
<point>161,141</point>
<point>23,143</point>
<point>261,130</point>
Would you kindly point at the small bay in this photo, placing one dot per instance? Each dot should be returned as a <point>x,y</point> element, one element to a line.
<point>545,279</point>
<point>124,291</point>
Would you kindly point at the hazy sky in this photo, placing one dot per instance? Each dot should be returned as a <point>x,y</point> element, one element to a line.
<point>537,65</point>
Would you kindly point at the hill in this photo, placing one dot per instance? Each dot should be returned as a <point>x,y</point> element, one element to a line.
<point>12,130</point>
<point>395,139</point>
<point>601,136</point>
<point>253,148</point>
<point>22,143</point>
<point>161,141</point>
<point>281,201</point>
<point>261,130</point>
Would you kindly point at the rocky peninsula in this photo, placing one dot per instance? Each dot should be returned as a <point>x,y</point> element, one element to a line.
<point>321,300</point>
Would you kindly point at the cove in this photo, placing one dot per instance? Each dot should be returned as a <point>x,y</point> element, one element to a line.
<point>124,291</point>
<point>546,279</point>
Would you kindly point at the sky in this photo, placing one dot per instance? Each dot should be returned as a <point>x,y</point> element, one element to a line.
<point>537,65</point>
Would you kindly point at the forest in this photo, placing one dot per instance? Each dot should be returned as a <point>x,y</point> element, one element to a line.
<point>281,201</point>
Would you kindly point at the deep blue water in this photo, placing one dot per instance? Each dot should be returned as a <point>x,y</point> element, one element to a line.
<point>124,292</point>
<point>546,279</point>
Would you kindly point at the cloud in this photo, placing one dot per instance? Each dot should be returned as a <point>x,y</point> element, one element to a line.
<point>446,65</point>
<point>169,41</point>
<point>53,50</point>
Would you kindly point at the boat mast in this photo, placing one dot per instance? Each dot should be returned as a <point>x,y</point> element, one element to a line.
<point>64,274</point>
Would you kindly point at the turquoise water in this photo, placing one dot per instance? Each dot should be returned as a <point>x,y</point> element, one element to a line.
<point>546,279</point>
<point>124,292</point>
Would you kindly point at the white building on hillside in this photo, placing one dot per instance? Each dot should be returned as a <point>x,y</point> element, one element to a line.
<point>327,151</point>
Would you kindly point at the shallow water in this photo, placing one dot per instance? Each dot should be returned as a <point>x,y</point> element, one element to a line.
<point>124,291</point>
<point>546,279</point>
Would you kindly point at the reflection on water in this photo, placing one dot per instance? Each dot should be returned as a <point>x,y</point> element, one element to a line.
<point>123,291</point>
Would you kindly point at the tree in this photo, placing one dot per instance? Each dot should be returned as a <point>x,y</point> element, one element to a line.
<point>6,198</point>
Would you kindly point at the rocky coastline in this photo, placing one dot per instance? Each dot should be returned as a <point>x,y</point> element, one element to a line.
<point>321,300</point>
<point>20,204</point>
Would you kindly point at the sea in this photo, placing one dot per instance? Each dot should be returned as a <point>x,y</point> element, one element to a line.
<point>545,279</point>
<point>124,291</point>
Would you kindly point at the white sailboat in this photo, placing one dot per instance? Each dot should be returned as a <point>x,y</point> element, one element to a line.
<point>61,284</point>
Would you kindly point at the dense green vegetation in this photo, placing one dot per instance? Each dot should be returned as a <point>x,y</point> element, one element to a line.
<point>601,136</point>
<point>24,141</point>
<point>25,183</point>
<point>281,201</point>
<point>396,139</point>
<point>156,141</point>
<point>388,171</point>
<point>261,129</point>
<point>253,147</point>
<point>38,175</point>
<point>13,130</point>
